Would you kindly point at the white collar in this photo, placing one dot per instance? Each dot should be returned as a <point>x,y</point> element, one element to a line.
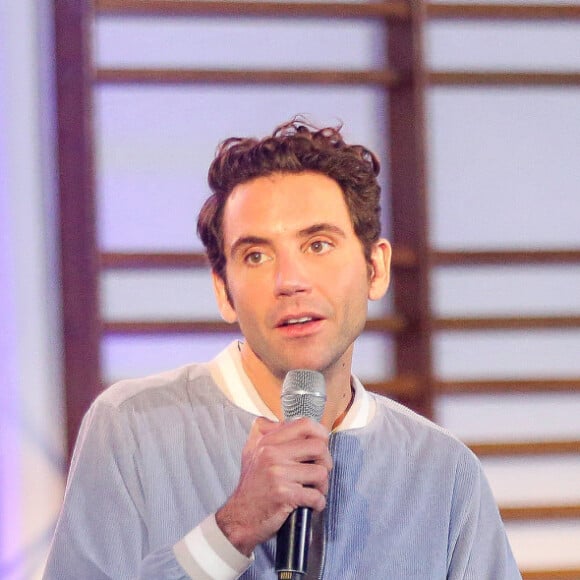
<point>228,373</point>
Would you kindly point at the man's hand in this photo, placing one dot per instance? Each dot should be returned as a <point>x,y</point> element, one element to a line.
<point>284,466</point>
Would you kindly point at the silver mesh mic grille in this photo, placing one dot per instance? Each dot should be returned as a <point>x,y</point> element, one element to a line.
<point>303,395</point>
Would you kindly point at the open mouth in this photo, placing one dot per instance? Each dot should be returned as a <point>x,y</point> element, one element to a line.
<point>298,321</point>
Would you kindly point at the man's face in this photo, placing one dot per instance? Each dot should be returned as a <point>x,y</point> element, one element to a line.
<point>296,273</point>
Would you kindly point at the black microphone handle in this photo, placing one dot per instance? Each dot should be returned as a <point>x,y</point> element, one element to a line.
<point>292,543</point>
<point>303,395</point>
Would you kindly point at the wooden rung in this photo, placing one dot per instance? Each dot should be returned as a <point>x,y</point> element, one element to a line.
<point>527,448</point>
<point>384,78</point>
<point>463,11</point>
<point>390,324</point>
<point>507,323</point>
<point>504,257</point>
<point>394,9</point>
<point>151,260</point>
<point>548,512</point>
<point>494,78</point>
<point>523,385</point>
<point>159,327</point>
<point>555,574</point>
<point>397,387</point>
<point>402,258</point>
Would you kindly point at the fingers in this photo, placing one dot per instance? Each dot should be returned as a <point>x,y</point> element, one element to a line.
<point>280,432</point>
<point>294,459</point>
<point>298,452</point>
<point>312,498</point>
<point>284,466</point>
<point>310,476</point>
<point>299,441</point>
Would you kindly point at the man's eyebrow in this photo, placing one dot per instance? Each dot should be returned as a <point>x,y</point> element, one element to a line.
<point>322,228</point>
<point>247,241</point>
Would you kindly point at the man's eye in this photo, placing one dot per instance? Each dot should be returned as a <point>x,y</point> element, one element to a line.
<point>319,246</point>
<point>254,258</point>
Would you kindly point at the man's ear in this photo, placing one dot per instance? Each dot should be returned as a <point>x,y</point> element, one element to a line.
<point>380,269</point>
<point>221,294</point>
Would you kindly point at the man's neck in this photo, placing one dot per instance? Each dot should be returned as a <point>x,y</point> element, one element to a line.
<point>339,391</point>
<point>346,409</point>
<point>229,375</point>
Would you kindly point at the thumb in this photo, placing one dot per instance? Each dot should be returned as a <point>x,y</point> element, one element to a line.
<point>260,427</point>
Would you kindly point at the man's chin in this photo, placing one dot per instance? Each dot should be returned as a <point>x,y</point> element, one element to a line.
<point>306,361</point>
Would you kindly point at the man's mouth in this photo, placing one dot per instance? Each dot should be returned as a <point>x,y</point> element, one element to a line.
<point>301,320</point>
<point>298,320</point>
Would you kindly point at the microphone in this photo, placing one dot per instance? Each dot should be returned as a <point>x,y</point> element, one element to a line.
<point>303,395</point>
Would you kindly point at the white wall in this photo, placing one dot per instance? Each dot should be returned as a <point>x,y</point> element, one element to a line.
<point>31,438</point>
<point>504,174</point>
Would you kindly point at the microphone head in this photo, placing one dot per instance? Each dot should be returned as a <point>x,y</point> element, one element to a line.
<point>303,394</point>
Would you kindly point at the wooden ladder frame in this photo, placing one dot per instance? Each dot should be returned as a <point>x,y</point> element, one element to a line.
<point>406,81</point>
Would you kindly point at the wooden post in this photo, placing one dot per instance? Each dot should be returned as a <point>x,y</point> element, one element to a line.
<point>79,257</point>
<point>409,203</point>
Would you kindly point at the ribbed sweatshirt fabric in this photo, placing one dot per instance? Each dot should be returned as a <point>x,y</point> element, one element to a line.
<point>155,456</point>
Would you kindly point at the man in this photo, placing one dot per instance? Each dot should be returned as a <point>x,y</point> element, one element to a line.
<point>190,474</point>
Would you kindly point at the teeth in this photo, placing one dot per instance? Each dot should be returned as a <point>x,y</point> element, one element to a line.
<point>299,320</point>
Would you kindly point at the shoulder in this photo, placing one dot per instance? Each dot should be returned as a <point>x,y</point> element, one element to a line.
<point>172,384</point>
<point>417,435</point>
<point>136,409</point>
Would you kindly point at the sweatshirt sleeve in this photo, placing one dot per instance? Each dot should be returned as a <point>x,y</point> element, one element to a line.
<point>478,545</point>
<point>101,532</point>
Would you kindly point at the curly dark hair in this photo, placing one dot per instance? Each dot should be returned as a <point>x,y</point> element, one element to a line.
<point>294,147</point>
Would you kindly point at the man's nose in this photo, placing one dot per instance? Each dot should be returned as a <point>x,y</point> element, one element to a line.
<point>292,274</point>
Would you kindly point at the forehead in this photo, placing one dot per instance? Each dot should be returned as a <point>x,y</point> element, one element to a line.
<point>284,202</point>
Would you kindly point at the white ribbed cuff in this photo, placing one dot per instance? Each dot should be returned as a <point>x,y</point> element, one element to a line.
<point>206,554</point>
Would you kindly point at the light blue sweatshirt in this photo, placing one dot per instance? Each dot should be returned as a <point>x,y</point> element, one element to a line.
<point>158,456</point>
